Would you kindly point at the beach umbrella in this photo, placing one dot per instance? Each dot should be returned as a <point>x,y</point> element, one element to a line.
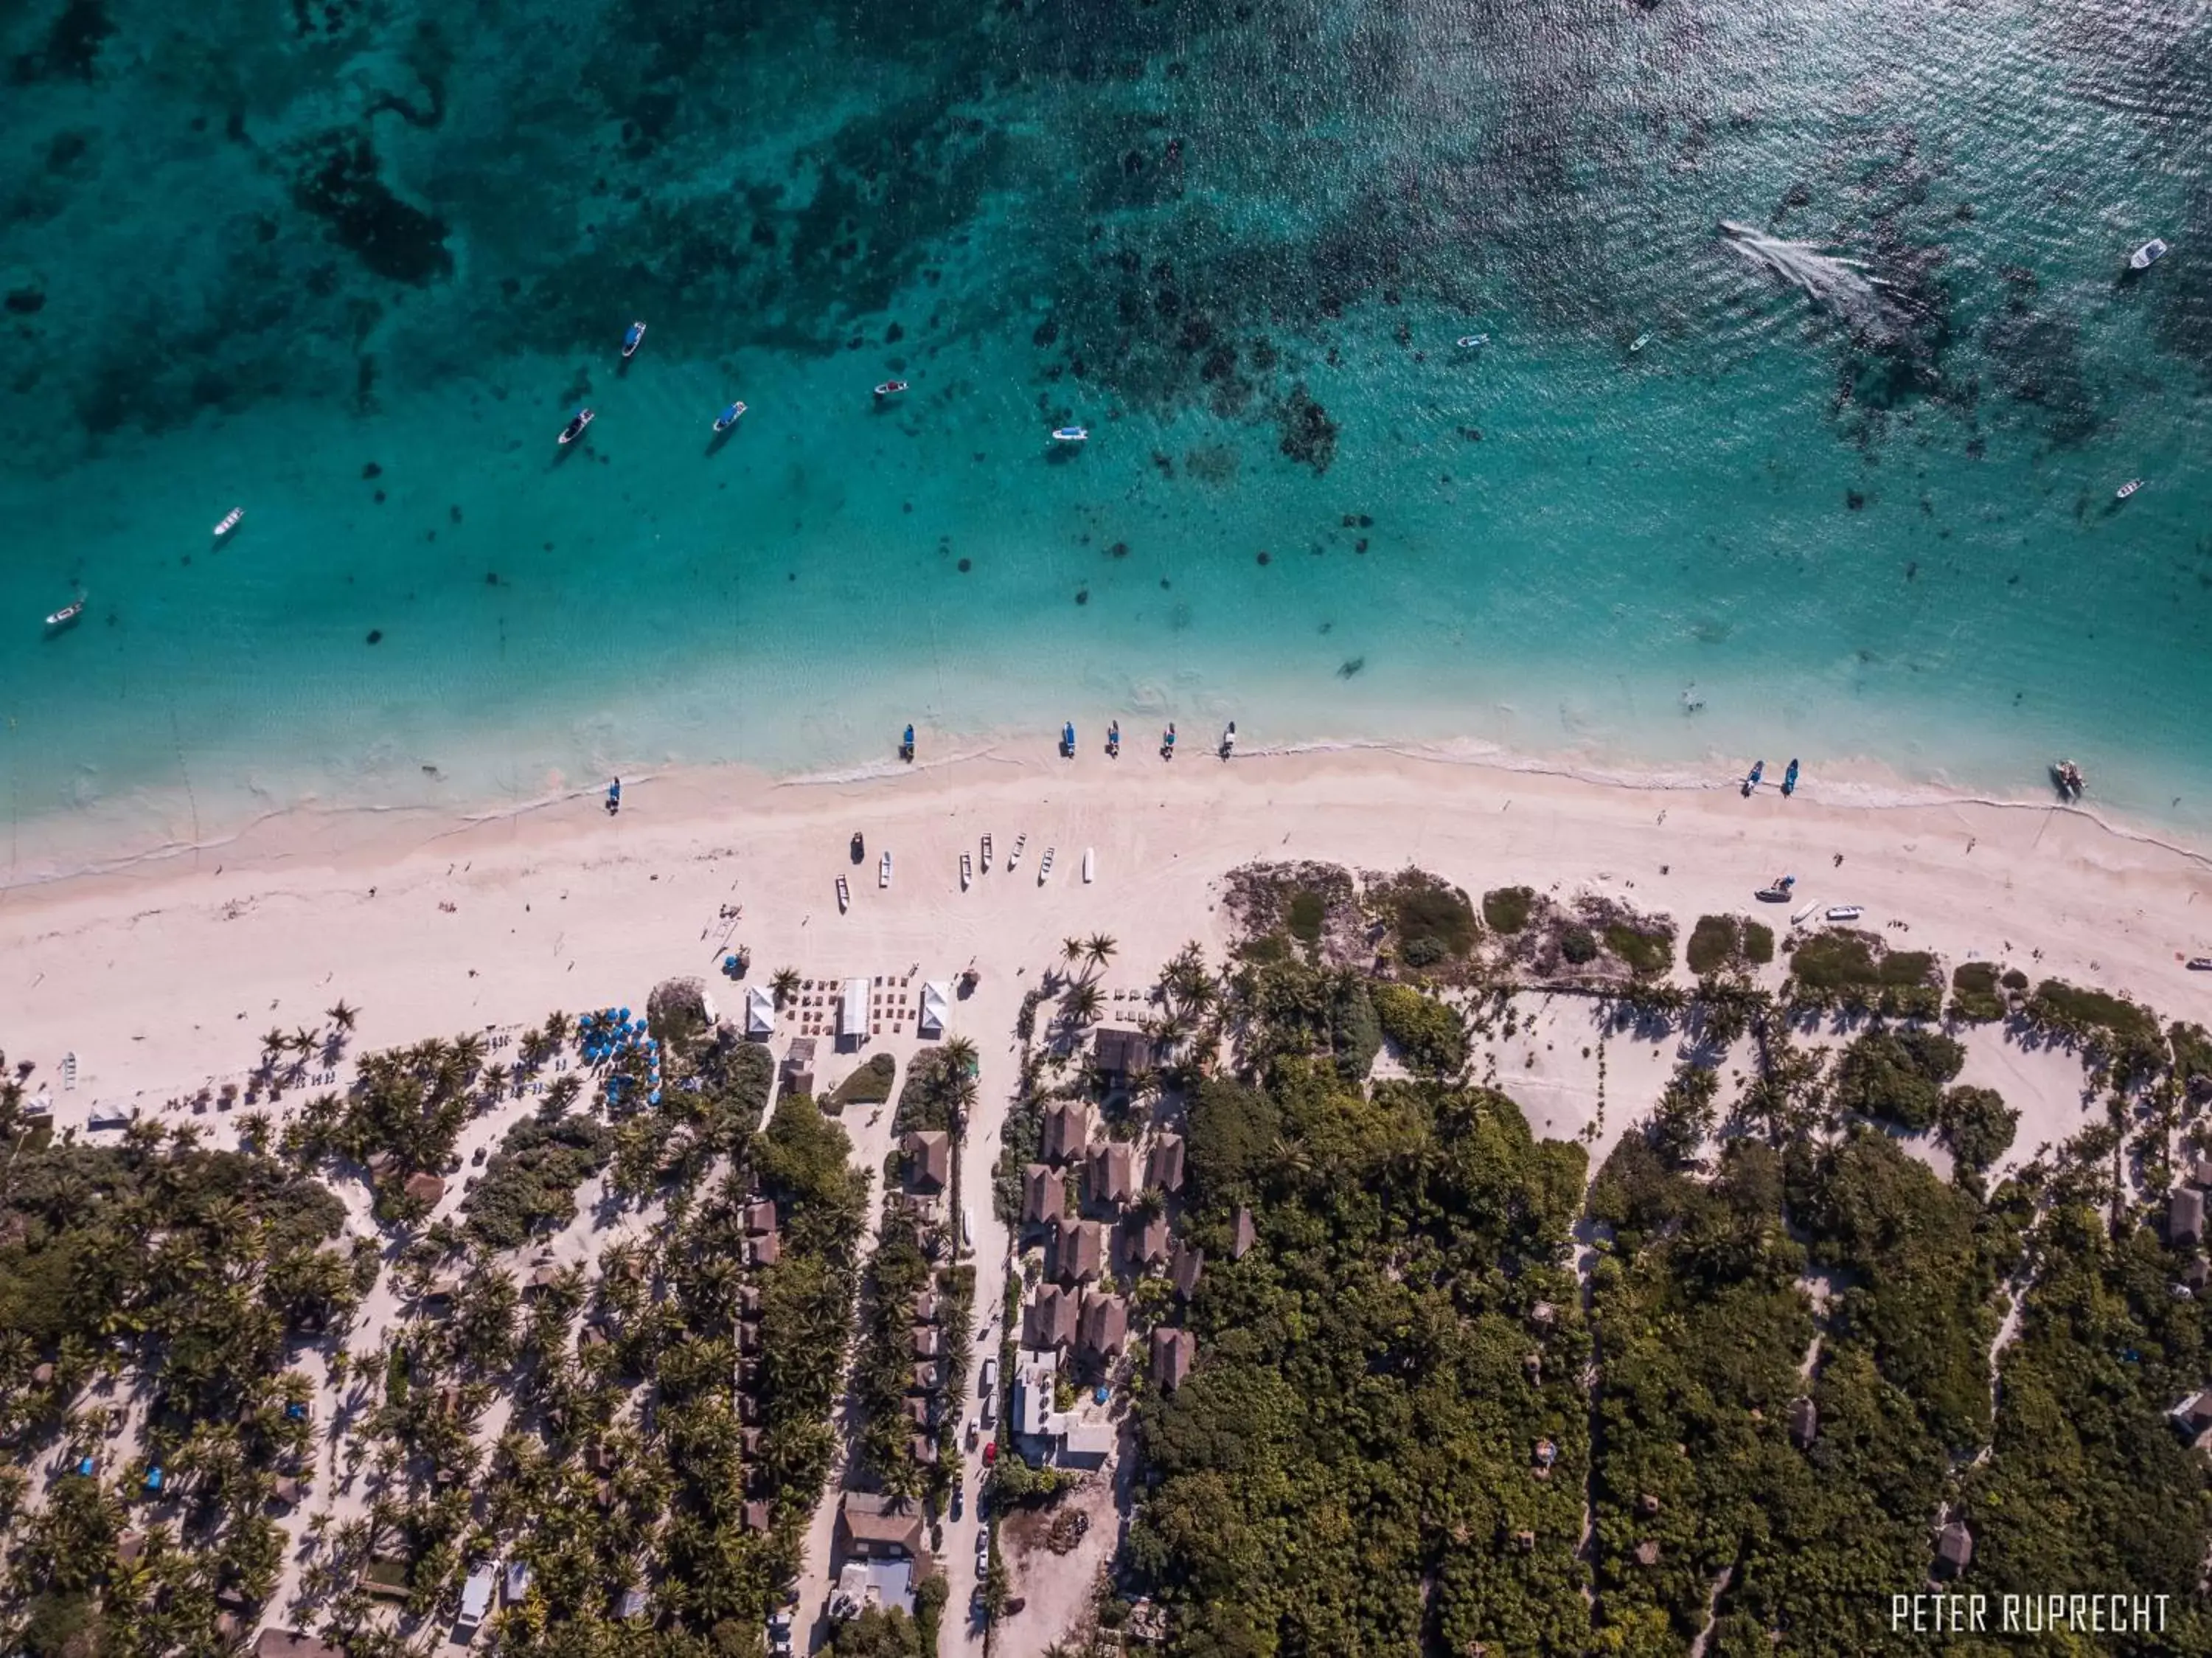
<point>625,1014</point>
<point>653,1098</point>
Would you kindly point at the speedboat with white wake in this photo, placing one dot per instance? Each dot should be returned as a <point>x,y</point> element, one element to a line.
<point>633,337</point>
<point>575,428</point>
<point>729,417</point>
<point>2148,255</point>
<point>67,614</point>
<point>1070,434</point>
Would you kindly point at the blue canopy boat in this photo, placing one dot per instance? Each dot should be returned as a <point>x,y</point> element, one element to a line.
<point>906,744</point>
<point>633,337</point>
<point>1758,771</point>
<point>1789,781</point>
<point>1068,739</point>
<point>729,417</point>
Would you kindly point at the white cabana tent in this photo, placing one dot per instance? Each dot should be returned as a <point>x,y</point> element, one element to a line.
<point>760,1012</point>
<point>936,1006</point>
<point>852,1011</point>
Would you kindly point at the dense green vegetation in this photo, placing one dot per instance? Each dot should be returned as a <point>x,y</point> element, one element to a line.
<point>1432,922</point>
<point>1506,909</point>
<point>2087,1481</point>
<point>1365,1412</point>
<point>1978,1126</point>
<point>191,1273</point>
<point>1430,1034</point>
<point>533,1178</point>
<point>1717,942</point>
<point>1899,1075</point>
<point>869,1085</point>
<point>1855,973</point>
<point>1976,997</point>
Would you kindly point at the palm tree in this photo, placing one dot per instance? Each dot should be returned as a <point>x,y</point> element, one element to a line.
<point>273,1043</point>
<point>1071,949</point>
<point>1083,1002</point>
<point>960,1056</point>
<point>785,984</point>
<point>1098,949</point>
<point>342,1014</point>
<point>304,1040</point>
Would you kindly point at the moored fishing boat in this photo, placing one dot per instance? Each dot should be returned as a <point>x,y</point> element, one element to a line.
<point>729,417</point>
<point>67,614</point>
<point>575,428</point>
<point>2127,489</point>
<point>1070,434</point>
<point>633,337</point>
<point>230,521</point>
<point>889,388</point>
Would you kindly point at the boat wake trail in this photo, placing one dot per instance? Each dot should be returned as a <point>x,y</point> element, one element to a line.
<point>1828,279</point>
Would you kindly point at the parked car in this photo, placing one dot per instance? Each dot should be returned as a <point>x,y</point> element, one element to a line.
<point>957,1500</point>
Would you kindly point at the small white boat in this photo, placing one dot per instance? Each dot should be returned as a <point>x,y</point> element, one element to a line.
<point>2127,489</point>
<point>1842,912</point>
<point>986,854</point>
<point>729,417</point>
<point>1639,342</point>
<point>68,613</point>
<point>1803,914</point>
<point>229,522</point>
<point>967,871</point>
<point>889,388</point>
<point>844,896</point>
<point>1089,864</point>
<point>1070,434</point>
<point>1044,869</point>
<point>575,428</point>
<point>1015,857</point>
<point>2148,255</point>
<point>883,869</point>
<point>69,1071</point>
<point>1472,342</point>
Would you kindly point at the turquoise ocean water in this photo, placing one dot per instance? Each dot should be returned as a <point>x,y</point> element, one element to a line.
<point>350,267</point>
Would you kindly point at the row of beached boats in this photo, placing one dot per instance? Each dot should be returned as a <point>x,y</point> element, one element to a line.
<point>968,865</point>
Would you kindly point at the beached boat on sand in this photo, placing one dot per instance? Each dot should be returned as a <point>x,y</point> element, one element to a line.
<point>883,869</point>
<point>1089,864</point>
<point>1044,869</point>
<point>844,896</point>
<point>986,854</point>
<point>1015,857</point>
<point>1842,912</point>
<point>967,871</point>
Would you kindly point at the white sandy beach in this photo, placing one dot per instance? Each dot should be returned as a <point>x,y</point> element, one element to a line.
<point>163,977</point>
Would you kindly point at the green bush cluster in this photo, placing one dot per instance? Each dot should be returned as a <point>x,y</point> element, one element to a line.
<point>533,1177</point>
<point>1899,1075</point>
<point>1431,1036</point>
<point>1507,909</point>
<point>869,1085</point>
